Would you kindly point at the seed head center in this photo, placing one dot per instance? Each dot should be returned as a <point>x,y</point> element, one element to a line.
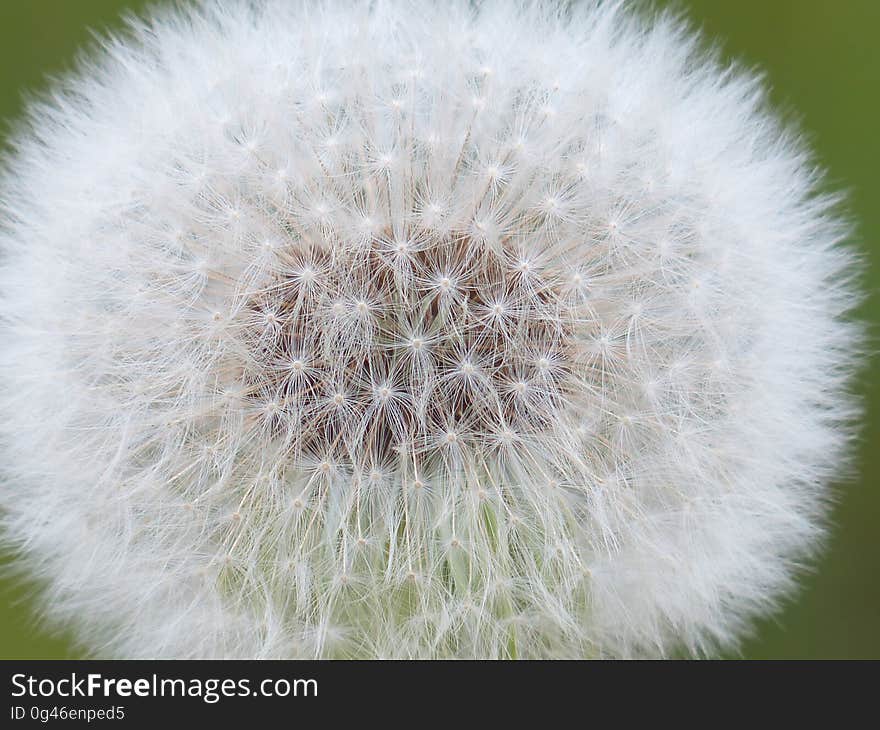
<point>361,389</point>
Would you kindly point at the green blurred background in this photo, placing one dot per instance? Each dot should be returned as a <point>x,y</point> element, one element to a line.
<point>822,60</point>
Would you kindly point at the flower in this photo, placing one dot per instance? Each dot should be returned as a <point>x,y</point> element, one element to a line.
<point>403,330</point>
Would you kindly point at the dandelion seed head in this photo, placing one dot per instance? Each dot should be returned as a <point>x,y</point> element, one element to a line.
<point>398,330</point>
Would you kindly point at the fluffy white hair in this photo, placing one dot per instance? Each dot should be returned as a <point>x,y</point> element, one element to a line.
<point>406,329</point>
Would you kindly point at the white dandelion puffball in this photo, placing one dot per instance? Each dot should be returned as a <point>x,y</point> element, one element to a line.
<point>402,329</point>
